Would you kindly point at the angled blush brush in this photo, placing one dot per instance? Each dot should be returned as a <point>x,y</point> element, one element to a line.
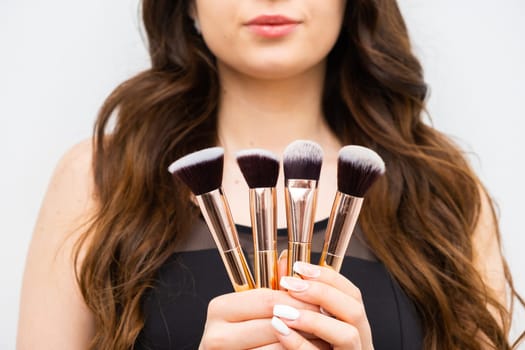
<point>201,171</point>
<point>357,170</point>
<point>302,161</point>
<point>260,168</point>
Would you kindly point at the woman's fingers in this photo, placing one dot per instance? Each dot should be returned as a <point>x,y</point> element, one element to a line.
<point>288,337</point>
<point>328,276</point>
<point>287,321</point>
<point>343,300</point>
<point>242,335</point>
<point>335,295</point>
<point>251,304</point>
<point>318,344</point>
<point>241,320</point>
<point>234,335</point>
<point>332,300</point>
<point>274,346</point>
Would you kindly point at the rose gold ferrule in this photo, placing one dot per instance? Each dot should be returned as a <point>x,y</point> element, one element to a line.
<point>266,269</point>
<point>301,201</point>
<point>263,214</point>
<point>298,251</point>
<point>343,218</point>
<point>237,269</point>
<point>216,211</point>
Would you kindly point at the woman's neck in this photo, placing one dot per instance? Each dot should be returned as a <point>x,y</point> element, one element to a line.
<point>270,114</point>
<point>259,113</point>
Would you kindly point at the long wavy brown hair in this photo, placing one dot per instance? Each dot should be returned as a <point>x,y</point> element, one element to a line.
<point>419,220</point>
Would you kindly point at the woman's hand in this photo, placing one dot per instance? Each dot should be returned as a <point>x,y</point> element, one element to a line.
<point>242,320</point>
<point>342,321</point>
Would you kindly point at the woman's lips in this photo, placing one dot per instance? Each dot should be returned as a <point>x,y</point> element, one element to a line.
<point>272,26</point>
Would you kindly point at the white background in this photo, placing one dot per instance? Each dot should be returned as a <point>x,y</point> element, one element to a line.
<point>59,59</point>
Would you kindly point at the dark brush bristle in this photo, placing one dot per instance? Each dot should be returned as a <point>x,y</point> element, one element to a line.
<point>201,171</point>
<point>357,169</point>
<point>259,167</point>
<point>302,160</point>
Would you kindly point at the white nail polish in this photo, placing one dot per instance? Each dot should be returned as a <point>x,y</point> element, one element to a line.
<point>280,326</point>
<point>285,311</point>
<point>283,254</point>
<point>307,270</point>
<point>293,284</point>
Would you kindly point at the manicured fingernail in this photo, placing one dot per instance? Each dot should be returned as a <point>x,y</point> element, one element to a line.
<point>285,311</point>
<point>293,284</point>
<point>280,326</point>
<point>307,270</point>
<point>283,254</point>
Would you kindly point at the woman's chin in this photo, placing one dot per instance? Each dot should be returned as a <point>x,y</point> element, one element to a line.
<point>276,70</point>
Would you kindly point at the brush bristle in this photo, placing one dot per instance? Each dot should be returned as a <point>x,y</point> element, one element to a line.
<point>259,167</point>
<point>302,160</point>
<point>201,171</point>
<point>357,170</point>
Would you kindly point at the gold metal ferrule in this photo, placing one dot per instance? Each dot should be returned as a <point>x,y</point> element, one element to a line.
<point>263,214</point>
<point>343,218</point>
<point>216,211</point>
<point>298,251</point>
<point>301,201</point>
<point>266,269</point>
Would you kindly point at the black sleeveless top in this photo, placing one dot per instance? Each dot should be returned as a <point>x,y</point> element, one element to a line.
<point>175,307</point>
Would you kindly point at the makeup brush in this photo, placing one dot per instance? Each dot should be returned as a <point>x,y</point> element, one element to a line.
<point>302,161</point>
<point>260,168</point>
<point>357,170</point>
<point>201,171</point>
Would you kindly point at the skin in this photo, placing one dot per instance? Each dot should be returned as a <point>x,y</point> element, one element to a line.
<point>271,95</point>
<point>342,323</point>
<point>53,314</point>
<point>271,88</point>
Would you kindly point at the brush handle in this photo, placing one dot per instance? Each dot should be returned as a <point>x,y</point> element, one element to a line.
<point>343,218</point>
<point>263,214</point>
<point>301,201</point>
<point>216,211</point>
<point>237,269</point>
<point>266,269</point>
<point>298,251</point>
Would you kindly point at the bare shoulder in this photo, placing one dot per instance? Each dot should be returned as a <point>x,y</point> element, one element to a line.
<point>69,200</point>
<point>76,163</point>
<point>52,311</point>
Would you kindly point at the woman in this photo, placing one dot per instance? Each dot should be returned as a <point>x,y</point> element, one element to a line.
<point>120,258</point>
